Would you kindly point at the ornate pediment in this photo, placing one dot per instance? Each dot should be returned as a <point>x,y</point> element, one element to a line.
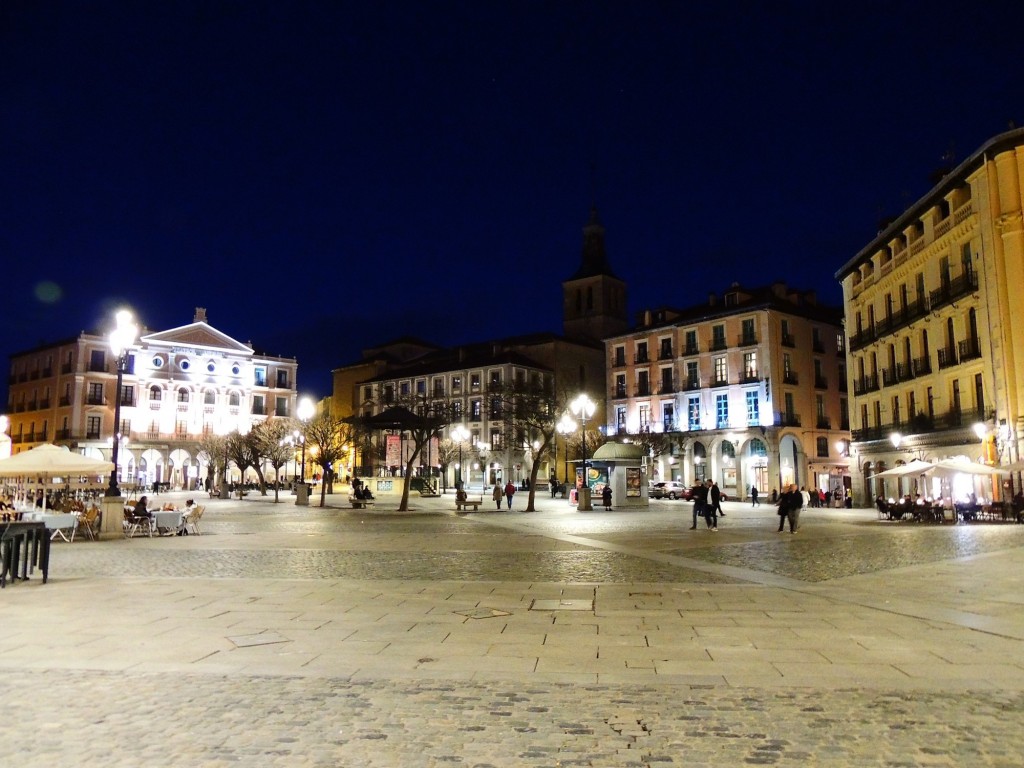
<point>196,336</point>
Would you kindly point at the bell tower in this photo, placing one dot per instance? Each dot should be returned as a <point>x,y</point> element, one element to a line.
<point>594,299</point>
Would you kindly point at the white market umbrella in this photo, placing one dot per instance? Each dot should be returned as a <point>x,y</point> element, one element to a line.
<point>963,466</point>
<point>913,467</point>
<point>46,462</point>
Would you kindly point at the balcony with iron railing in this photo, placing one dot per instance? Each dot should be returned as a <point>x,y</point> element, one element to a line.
<point>904,371</point>
<point>62,434</point>
<point>98,368</point>
<point>718,344</point>
<point>95,400</point>
<point>620,392</point>
<point>947,358</point>
<point>790,377</point>
<point>64,401</point>
<point>818,346</point>
<point>823,422</point>
<point>720,381</point>
<point>665,353</point>
<point>691,384</point>
<point>922,365</point>
<point>666,388</point>
<point>691,349</point>
<point>65,368</point>
<point>92,434</point>
<point>618,361</point>
<point>32,405</point>
<point>643,390</point>
<point>951,290</point>
<point>821,382</point>
<point>641,357</point>
<point>889,377</point>
<point>749,376</point>
<point>788,340</point>
<point>787,419</point>
<point>44,403</point>
<point>969,349</point>
<point>746,340</point>
<point>864,384</point>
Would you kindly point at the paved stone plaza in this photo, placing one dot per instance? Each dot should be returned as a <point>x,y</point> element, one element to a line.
<point>287,636</point>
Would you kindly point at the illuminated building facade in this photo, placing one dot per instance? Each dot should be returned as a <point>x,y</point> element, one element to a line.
<point>936,359</point>
<point>179,385</point>
<point>750,388</point>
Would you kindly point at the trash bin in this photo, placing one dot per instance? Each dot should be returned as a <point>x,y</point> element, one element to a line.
<point>302,495</point>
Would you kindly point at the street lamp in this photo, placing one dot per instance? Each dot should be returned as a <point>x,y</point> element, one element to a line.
<point>121,340</point>
<point>460,434</point>
<point>566,426</point>
<point>583,408</point>
<point>305,413</point>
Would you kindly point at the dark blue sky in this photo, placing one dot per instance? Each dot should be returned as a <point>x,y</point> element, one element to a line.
<point>322,176</point>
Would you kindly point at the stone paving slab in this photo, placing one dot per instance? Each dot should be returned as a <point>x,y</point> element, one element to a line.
<point>317,637</point>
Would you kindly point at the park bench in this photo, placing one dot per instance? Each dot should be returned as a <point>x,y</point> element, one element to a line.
<point>359,503</point>
<point>467,503</point>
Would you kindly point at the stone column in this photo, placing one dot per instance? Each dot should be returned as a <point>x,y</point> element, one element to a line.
<point>112,520</point>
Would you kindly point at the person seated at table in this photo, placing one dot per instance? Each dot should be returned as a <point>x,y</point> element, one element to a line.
<point>140,510</point>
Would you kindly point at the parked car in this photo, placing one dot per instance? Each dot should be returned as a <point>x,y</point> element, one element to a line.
<point>668,489</point>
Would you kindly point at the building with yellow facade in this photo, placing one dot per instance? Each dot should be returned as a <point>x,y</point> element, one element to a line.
<point>750,389</point>
<point>936,359</point>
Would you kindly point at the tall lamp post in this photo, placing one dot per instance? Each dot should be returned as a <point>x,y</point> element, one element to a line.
<point>460,434</point>
<point>566,426</point>
<point>583,408</point>
<point>305,413</point>
<point>121,340</point>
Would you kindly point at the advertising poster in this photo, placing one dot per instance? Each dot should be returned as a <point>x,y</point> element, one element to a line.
<point>633,481</point>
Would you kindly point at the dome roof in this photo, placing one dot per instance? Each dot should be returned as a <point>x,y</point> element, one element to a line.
<point>619,452</point>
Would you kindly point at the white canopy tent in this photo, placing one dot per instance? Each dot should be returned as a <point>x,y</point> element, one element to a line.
<point>51,466</point>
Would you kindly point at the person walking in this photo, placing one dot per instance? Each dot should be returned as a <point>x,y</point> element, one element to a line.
<point>784,502</point>
<point>753,496</point>
<point>715,507</point>
<point>496,495</point>
<point>510,491</point>
<point>700,501</point>
<point>606,497</point>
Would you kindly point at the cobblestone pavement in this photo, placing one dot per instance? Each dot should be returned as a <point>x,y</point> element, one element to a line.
<point>288,636</point>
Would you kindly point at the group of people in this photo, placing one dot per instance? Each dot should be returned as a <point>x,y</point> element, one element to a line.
<point>707,503</point>
<point>361,490</point>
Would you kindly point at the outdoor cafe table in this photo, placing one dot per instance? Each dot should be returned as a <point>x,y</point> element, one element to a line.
<point>167,520</point>
<point>24,546</point>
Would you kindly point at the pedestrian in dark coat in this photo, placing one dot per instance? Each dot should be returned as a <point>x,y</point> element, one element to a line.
<point>606,497</point>
<point>700,502</point>
<point>510,491</point>
<point>715,495</point>
<point>753,495</point>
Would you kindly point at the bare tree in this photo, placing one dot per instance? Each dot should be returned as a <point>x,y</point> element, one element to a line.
<point>240,451</point>
<point>213,448</point>
<point>532,410</point>
<point>421,419</point>
<point>326,436</point>
<point>447,452</point>
<point>270,444</point>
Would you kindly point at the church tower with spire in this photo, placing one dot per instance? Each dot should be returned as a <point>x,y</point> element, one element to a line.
<point>594,299</point>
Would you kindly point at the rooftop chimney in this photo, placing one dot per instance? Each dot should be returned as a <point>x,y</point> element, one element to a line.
<point>200,315</point>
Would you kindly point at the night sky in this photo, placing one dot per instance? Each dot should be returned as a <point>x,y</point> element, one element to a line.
<point>325,176</point>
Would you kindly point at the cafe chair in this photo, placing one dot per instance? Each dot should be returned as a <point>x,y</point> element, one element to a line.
<point>88,522</point>
<point>191,521</point>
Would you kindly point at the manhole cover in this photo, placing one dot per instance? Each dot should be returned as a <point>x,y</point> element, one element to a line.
<point>482,613</point>
<point>562,605</point>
